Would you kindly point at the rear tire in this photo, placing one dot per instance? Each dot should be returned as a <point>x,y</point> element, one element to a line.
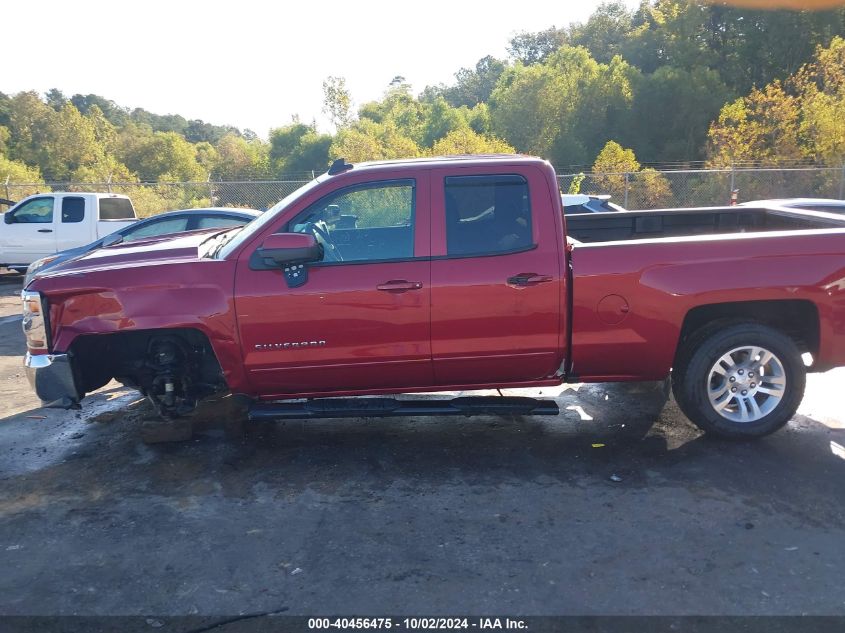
<point>739,381</point>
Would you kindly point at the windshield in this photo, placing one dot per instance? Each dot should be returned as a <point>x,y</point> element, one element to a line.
<point>258,224</point>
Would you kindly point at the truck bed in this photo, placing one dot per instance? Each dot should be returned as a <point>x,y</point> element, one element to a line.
<point>638,225</point>
<point>637,275</point>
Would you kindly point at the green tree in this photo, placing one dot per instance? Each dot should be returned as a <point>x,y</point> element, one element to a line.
<point>239,159</point>
<point>565,108</point>
<point>116,115</point>
<point>5,105</point>
<point>207,156</point>
<point>368,140</point>
<point>525,108</point>
<point>5,135</point>
<point>465,141</point>
<point>284,140</point>
<point>532,48</point>
<point>55,98</point>
<point>105,133</point>
<point>441,118</point>
<point>611,165</point>
<point>29,121</point>
<point>162,156</point>
<point>337,102</point>
<point>803,117</point>
<point>311,154</point>
<point>617,172</point>
<point>671,111</point>
<point>398,109</point>
<point>105,169</point>
<point>764,126</point>
<point>479,118</point>
<point>475,85</point>
<point>298,148</point>
<point>605,33</point>
<point>73,144</point>
<point>821,89</point>
<point>649,190</point>
<point>18,172</point>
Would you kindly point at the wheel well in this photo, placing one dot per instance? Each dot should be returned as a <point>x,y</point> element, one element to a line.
<point>124,355</point>
<point>798,319</point>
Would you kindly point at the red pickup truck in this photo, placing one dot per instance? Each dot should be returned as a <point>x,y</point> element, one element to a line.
<point>450,274</point>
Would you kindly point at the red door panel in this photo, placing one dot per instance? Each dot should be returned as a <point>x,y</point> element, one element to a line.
<point>497,319</point>
<point>359,324</point>
<point>342,332</point>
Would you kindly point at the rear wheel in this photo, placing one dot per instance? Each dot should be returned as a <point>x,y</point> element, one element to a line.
<point>739,380</point>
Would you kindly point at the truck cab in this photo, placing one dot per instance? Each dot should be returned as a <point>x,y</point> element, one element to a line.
<point>44,224</point>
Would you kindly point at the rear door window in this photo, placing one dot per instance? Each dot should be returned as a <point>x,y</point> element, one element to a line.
<point>73,210</point>
<point>487,215</point>
<point>116,209</point>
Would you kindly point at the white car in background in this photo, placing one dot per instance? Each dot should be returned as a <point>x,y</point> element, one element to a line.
<point>45,224</point>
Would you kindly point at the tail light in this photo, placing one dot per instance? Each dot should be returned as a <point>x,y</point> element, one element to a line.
<point>34,322</point>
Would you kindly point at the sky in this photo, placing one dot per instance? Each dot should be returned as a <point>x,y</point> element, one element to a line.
<point>255,64</point>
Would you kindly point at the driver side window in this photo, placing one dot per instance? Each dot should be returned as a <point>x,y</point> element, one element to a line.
<point>37,211</point>
<point>374,222</point>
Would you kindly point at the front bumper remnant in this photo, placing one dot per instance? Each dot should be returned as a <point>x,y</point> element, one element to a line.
<point>51,377</point>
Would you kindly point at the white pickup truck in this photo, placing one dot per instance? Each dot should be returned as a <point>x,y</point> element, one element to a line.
<point>44,224</point>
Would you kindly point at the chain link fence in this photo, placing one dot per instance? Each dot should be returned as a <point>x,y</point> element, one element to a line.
<point>647,189</point>
<point>652,189</point>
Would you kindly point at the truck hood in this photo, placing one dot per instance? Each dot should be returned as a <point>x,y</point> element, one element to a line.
<point>160,250</point>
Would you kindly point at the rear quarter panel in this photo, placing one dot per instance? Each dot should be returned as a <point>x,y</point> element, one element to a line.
<point>662,280</point>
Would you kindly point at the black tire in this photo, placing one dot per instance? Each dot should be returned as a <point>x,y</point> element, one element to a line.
<point>691,376</point>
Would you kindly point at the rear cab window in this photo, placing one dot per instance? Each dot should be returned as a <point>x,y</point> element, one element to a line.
<point>116,209</point>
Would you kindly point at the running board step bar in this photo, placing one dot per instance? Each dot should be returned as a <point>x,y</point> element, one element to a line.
<point>389,407</point>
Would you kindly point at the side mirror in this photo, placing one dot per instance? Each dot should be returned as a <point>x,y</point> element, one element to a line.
<point>290,252</point>
<point>9,218</point>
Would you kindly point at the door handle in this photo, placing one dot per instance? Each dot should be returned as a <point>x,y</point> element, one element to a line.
<point>45,230</point>
<point>528,279</point>
<point>399,285</point>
